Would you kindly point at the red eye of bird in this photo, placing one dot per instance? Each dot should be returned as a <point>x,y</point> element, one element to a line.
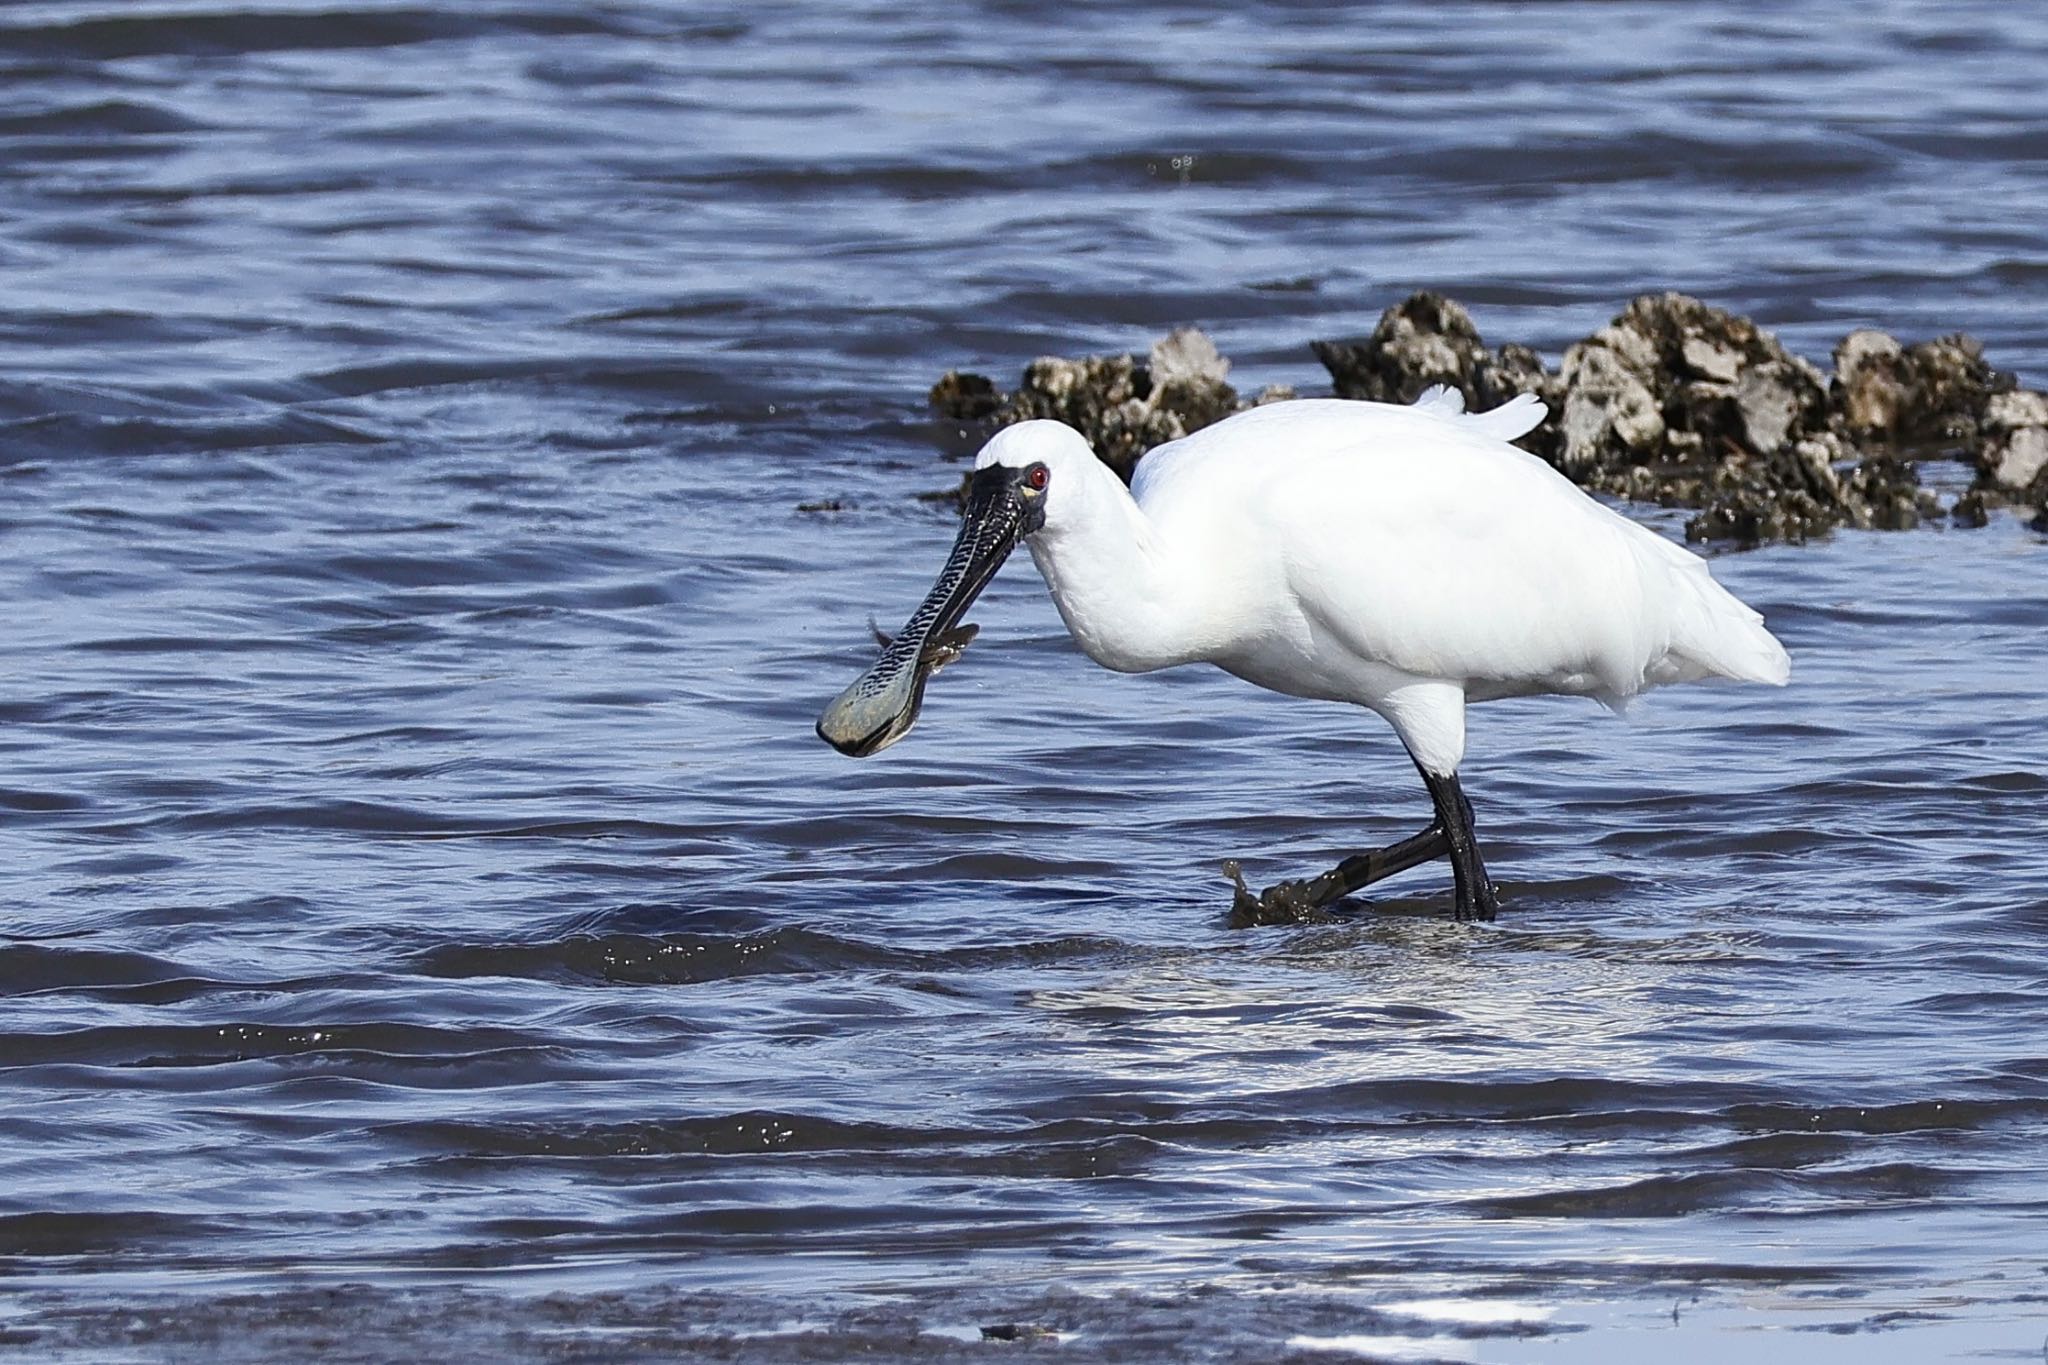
<point>1037,476</point>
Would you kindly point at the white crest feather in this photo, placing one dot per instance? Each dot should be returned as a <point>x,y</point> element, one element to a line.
<point>1517,417</point>
<point>1441,400</point>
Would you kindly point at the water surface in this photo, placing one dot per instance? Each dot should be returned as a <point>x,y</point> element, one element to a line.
<point>418,873</point>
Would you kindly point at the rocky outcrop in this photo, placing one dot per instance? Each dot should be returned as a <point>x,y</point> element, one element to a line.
<point>1123,405</point>
<point>1680,403</point>
<point>2012,448</point>
<point>1674,402</point>
<point>1424,340</point>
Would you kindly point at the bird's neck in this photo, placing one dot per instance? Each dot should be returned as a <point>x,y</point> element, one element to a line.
<point>1127,598</point>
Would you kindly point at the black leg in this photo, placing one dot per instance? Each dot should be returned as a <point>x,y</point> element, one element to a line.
<point>1476,896</point>
<point>1363,869</point>
<point>1451,834</point>
<point>1296,902</point>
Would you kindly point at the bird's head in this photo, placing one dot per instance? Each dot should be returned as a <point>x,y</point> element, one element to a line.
<point>1014,492</point>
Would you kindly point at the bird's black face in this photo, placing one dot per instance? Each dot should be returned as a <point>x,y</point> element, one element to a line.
<point>1004,504</point>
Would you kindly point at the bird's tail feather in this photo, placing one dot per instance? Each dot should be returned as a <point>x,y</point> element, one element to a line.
<point>1721,637</point>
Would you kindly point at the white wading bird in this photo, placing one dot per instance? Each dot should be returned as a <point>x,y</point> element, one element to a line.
<point>1405,559</point>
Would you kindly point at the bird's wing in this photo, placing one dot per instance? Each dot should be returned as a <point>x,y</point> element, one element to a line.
<point>1434,548</point>
<point>1276,434</point>
<point>1424,543</point>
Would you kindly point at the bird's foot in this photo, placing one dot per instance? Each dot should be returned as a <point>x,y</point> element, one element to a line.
<point>1483,906</point>
<point>1281,903</point>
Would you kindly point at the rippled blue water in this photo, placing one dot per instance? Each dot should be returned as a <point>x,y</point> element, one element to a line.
<point>417,866</point>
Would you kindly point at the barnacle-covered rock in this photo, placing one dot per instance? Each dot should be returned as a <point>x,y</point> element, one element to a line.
<point>1425,340</point>
<point>1942,398</point>
<point>1674,402</point>
<point>1123,405</point>
<point>960,397</point>
<point>1933,396</point>
<point>1722,385</point>
<point>1610,415</point>
<point>2013,447</point>
<point>1873,387</point>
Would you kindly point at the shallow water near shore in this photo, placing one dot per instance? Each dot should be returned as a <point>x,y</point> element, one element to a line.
<point>426,914</point>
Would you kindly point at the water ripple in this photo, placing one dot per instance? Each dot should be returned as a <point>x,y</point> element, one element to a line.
<point>417,857</point>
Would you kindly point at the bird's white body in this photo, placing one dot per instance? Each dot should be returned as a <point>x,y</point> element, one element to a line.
<point>1404,558</point>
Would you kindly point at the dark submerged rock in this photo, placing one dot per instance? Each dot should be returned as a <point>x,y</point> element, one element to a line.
<point>965,397</point>
<point>1971,509</point>
<point>2036,497</point>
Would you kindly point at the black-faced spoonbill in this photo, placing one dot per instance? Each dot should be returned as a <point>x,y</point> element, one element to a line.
<point>1405,559</point>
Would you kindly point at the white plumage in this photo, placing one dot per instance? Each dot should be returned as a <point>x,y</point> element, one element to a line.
<point>1407,559</point>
